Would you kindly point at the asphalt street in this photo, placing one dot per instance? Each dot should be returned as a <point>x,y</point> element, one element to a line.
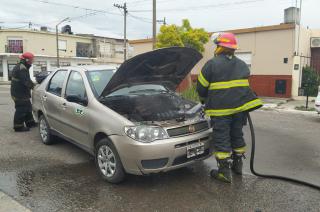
<point>62,177</point>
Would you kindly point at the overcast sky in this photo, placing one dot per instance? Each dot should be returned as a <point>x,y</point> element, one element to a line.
<point>213,15</point>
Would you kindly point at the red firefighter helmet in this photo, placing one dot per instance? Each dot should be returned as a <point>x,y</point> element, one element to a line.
<point>226,39</point>
<point>27,56</point>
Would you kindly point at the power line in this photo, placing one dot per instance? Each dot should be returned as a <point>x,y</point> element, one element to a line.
<point>75,7</point>
<point>146,20</point>
<point>203,6</point>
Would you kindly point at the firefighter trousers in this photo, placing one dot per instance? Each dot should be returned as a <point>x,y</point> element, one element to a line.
<point>23,114</point>
<point>228,134</point>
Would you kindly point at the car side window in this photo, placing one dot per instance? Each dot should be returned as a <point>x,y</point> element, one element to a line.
<point>75,85</point>
<point>56,83</point>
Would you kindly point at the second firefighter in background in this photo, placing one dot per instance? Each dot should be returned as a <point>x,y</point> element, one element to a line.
<point>224,88</point>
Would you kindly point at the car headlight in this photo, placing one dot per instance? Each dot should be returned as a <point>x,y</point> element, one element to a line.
<point>145,134</point>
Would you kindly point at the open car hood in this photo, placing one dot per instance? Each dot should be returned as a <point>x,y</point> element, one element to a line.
<point>167,66</point>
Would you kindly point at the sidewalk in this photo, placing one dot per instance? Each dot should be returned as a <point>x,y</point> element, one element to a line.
<point>287,104</point>
<point>7,204</point>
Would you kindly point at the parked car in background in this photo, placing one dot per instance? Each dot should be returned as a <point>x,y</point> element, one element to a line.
<point>317,102</point>
<point>130,118</point>
<point>41,76</point>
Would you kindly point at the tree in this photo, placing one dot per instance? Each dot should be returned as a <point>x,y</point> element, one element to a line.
<point>183,36</point>
<point>310,81</point>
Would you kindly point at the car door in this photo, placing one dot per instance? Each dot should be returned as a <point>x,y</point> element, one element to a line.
<point>75,115</point>
<point>52,100</point>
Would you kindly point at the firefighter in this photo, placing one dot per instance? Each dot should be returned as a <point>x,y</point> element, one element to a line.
<point>21,86</point>
<point>223,87</point>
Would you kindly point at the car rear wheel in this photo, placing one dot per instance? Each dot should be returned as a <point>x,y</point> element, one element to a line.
<point>44,131</point>
<point>108,162</point>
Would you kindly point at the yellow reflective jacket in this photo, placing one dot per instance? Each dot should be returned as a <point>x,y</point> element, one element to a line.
<point>224,86</point>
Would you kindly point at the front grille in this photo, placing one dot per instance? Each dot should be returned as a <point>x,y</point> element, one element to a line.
<point>191,142</point>
<point>183,159</point>
<point>188,129</point>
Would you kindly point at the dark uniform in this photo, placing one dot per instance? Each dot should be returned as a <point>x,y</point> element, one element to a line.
<point>223,85</point>
<point>21,86</point>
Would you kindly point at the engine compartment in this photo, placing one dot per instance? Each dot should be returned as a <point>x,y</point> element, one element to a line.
<point>155,107</point>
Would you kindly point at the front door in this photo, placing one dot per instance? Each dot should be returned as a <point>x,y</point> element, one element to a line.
<point>74,115</point>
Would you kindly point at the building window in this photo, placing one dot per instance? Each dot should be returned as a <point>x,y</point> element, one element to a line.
<point>245,56</point>
<point>15,45</point>
<point>83,50</point>
<point>281,87</point>
<point>62,44</point>
<point>119,49</point>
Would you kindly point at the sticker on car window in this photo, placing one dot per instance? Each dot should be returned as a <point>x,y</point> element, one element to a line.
<point>95,78</point>
<point>79,112</point>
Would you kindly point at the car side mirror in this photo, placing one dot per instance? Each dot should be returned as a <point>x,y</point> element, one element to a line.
<point>77,99</point>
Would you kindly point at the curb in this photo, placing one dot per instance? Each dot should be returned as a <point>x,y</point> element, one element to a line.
<point>8,204</point>
<point>5,83</point>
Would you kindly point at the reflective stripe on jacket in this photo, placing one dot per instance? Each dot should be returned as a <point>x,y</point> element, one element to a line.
<point>223,83</point>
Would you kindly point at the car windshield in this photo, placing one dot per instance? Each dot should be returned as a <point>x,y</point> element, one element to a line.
<point>139,89</point>
<point>99,79</point>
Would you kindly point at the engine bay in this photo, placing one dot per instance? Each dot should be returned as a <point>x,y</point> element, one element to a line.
<point>153,108</point>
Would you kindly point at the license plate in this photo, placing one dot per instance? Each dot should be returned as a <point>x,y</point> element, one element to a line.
<point>195,149</point>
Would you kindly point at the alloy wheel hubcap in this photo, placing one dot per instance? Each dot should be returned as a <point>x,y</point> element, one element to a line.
<point>43,130</point>
<point>106,161</point>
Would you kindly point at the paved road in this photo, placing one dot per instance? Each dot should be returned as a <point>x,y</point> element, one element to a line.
<point>63,178</point>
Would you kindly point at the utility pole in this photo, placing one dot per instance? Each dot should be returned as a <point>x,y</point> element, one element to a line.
<point>300,10</point>
<point>154,24</point>
<point>125,12</point>
<point>162,21</point>
<point>57,40</point>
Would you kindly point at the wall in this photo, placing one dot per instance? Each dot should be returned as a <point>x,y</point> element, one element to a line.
<point>268,46</point>
<point>42,43</point>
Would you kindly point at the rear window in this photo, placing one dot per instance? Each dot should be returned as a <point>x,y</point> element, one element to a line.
<point>99,79</point>
<point>56,82</point>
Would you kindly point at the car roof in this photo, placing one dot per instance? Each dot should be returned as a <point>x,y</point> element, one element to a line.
<point>94,67</point>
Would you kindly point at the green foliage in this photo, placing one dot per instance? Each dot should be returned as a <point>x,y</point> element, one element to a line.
<point>169,36</point>
<point>185,35</point>
<point>310,81</point>
<point>191,94</point>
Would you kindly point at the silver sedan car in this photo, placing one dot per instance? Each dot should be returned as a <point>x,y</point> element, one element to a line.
<point>129,117</point>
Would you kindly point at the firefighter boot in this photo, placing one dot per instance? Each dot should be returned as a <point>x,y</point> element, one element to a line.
<point>21,129</point>
<point>237,163</point>
<point>224,170</point>
<point>31,124</point>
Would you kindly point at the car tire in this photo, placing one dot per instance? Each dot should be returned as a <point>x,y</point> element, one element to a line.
<point>44,131</point>
<point>108,162</point>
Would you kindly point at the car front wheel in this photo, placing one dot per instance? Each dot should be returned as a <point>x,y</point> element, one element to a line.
<point>108,162</point>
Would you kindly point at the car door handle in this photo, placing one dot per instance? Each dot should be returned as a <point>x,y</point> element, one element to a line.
<point>64,105</point>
